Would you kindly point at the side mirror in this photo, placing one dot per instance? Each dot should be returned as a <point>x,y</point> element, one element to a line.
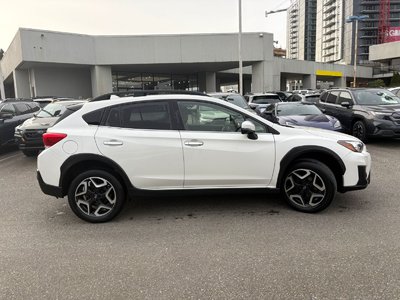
<point>268,115</point>
<point>323,110</point>
<point>253,106</point>
<point>57,113</point>
<point>345,104</point>
<point>250,129</point>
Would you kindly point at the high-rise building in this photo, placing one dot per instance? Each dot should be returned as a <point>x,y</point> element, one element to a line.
<point>301,29</point>
<point>334,38</point>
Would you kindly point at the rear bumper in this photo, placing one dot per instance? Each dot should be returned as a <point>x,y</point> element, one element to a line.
<point>49,189</point>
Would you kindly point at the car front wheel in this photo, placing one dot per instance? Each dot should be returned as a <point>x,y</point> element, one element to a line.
<point>309,186</point>
<point>96,196</point>
<point>360,130</point>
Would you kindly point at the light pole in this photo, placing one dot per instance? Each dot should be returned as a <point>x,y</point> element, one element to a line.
<point>351,19</point>
<point>240,50</point>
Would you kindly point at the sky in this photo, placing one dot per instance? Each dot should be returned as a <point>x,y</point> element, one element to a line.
<point>131,17</point>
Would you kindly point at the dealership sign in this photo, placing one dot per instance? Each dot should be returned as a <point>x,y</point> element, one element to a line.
<point>392,34</point>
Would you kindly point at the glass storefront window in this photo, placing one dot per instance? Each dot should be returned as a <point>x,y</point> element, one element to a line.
<point>125,81</point>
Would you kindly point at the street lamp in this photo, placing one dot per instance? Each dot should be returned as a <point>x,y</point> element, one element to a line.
<point>240,50</point>
<point>351,19</point>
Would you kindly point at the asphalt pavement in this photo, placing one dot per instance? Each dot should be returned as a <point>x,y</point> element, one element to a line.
<point>248,246</point>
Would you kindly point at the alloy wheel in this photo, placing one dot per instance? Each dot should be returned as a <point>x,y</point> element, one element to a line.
<point>95,196</point>
<point>305,188</point>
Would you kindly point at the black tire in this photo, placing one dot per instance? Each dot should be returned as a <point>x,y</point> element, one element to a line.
<point>359,130</point>
<point>95,199</point>
<point>314,192</point>
<point>30,153</point>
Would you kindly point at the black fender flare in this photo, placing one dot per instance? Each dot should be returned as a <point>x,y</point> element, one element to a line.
<point>73,160</point>
<point>297,152</point>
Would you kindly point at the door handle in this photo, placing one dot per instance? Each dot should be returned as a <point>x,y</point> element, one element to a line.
<point>113,143</point>
<point>194,143</point>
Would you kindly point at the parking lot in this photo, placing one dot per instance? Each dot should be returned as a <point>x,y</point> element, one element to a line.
<point>247,246</point>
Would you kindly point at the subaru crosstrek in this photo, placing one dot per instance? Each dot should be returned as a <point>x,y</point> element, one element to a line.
<point>113,149</point>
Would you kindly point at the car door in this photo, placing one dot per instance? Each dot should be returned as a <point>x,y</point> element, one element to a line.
<point>140,138</point>
<point>7,127</point>
<point>217,154</point>
<point>330,106</point>
<point>344,114</point>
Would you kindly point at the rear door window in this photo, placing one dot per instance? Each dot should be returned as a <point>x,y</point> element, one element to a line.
<point>150,115</point>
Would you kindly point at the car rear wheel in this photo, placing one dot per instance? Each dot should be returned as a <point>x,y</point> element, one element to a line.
<point>360,130</point>
<point>309,186</point>
<point>96,196</point>
<point>30,153</point>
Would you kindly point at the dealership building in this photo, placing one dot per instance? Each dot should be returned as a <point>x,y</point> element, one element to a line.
<point>48,63</point>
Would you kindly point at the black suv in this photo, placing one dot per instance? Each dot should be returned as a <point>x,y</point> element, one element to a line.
<point>12,113</point>
<point>364,112</point>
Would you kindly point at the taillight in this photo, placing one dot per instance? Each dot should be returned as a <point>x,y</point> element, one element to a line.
<point>52,138</point>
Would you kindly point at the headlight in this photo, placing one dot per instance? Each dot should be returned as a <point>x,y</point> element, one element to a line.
<point>352,145</point>
<point>381,114</point>
<point>337,125</point>
<point>290,123</point>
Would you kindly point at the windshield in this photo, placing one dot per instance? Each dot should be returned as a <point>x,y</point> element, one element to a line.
<point>313,98</point>
<point>266,99</point>
<point>51,110</point>
<point>376,97</point>
<point>297,109</point>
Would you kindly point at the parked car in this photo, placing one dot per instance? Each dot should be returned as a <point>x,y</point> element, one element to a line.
<point>43,101</point>
<point>233,98</point>
<point>364,112</point>
<point>307,98</point>
<point>12,113</point>
<point>110,149</point>
<point>282,95</point>
<point>395,91</point>
<point>28,135</point>
<point>255,100</point>
<point>300,114</point>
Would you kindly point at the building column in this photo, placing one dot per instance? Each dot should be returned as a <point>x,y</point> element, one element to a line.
<point>246,85</point>
<point>2,91</point>
<point>101,80</point>
<point>340,82</point>
<point>265,77</point>
<point>207,82</point>
<point>310,81</point>
<point>21,84</point>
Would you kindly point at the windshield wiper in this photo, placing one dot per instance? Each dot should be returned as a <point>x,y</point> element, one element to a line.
<point>47,112</point>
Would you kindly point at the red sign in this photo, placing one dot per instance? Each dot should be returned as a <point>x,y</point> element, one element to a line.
<point>392,34</point>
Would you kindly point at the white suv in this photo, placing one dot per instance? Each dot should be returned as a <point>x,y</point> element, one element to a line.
<point>109,150</point>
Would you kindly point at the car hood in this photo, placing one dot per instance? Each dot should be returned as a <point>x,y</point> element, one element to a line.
<point>330,134</point>
<point>320,121</point>
<point>38,123</point>
<point>383,108</point>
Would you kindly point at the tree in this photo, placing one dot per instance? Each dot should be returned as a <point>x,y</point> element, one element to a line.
<point>395,81</point>
<point>376,83</point>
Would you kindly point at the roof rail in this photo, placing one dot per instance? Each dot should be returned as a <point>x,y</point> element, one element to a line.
<point>140,93</point>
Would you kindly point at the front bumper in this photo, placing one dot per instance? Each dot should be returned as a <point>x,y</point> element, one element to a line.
<point>49,189</point>
<point>29,140</point>
<point>385,128</point>
<point>364,180</point>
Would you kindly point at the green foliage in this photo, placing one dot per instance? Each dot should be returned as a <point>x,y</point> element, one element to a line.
<point>376,83</point>
<point>395,81</point>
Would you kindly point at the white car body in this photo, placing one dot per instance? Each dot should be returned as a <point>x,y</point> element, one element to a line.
<point>190,160</point>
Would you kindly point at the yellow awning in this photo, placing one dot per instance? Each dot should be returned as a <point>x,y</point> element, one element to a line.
<point>329,73</point>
